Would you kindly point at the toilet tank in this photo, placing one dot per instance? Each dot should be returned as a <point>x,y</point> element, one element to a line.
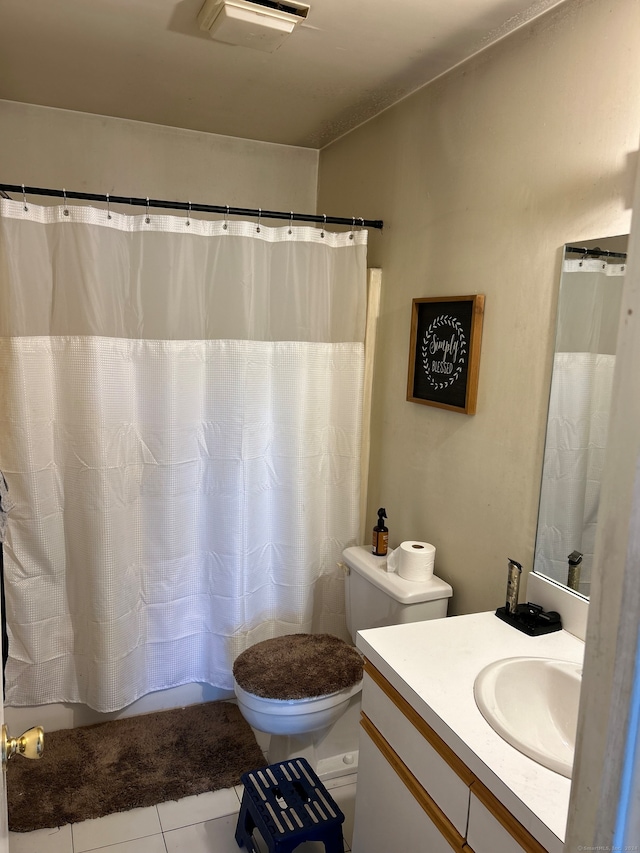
<point>375,597</point>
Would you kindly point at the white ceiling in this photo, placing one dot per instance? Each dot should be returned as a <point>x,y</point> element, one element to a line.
<point>148,60</point>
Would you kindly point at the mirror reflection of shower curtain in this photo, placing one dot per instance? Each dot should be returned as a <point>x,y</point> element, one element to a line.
<point>579,404</point>
<point>180,432</point>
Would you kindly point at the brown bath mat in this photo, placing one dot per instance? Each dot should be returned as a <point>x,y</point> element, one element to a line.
<point>140,761</point>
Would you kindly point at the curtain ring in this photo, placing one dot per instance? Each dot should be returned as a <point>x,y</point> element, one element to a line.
<point>108,207</point>
<point>353,227</point>
<point>290,221</point>
<point>24,200</point>
<point>225,224</point>
<point>66,209</point>
<point>259,215</point>
<point>147,218</point>
<point>188,222</point>
<point>324,224</point>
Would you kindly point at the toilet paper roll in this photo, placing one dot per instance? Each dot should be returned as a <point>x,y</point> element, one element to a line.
<point>412,560</point>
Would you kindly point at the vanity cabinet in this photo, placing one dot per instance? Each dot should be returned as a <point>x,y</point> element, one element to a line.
<point>392,818</point>
<point>415,793</point>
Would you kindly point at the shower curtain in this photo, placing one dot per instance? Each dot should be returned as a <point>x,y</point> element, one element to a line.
<point>180,421</point>
<point>579,405</point>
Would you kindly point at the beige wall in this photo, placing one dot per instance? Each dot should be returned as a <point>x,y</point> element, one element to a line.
<point>53,148</point>
<point>480,178</point>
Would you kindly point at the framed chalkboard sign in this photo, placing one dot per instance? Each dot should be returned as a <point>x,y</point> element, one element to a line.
<point>444,353</point>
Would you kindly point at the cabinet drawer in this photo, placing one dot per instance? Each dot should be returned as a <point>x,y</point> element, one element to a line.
<point>493,830</point>
<point>388,817</point>
<point>418,747</point>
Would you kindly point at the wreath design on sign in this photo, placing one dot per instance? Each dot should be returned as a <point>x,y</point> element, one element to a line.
<point>435,380</point>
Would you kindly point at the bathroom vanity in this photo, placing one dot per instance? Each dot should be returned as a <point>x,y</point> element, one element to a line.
<point>433,774</point>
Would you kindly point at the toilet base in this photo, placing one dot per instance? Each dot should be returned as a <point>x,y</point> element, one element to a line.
<point>283,748</point>
<point>332,753</point>
<point>337,766</point>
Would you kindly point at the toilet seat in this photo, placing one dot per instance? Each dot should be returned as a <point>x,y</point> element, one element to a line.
<point>296,684</point>
<point>298,667</point>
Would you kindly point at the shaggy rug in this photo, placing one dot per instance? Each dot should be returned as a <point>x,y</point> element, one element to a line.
<point>295,666</point>
<point>140,761</point>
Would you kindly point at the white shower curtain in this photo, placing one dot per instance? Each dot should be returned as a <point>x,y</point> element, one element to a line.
<point>579,407</point>
<point>180,431</point>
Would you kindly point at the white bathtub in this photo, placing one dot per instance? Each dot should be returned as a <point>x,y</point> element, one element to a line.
<point>71,715</point>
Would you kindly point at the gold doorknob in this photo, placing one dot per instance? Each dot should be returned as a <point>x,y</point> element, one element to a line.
<point>30,744</point>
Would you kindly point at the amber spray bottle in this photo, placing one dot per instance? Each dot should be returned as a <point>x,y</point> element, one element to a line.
<point>380,535</point>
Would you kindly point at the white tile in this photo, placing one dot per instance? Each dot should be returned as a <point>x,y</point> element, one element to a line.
<point>213,836</point>
<point>150,844</point>
<point>115,828</point>
<point>42,841</point>
<point>198,809</point>
<point>305,847</point>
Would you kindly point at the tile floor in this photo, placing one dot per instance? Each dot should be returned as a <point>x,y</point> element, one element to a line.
<point>202,824</point>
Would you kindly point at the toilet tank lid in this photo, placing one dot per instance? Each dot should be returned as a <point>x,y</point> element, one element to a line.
<point>360,559</point>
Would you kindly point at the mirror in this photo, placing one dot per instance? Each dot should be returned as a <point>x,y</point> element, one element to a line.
<point>584,358</point>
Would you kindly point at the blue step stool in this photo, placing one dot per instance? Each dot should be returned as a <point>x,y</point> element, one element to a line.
<point>288,804</point>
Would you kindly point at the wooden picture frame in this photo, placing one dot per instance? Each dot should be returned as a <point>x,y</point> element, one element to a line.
<point>444,352</point>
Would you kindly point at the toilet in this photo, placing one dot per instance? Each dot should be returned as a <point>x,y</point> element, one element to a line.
<point>304,689</point>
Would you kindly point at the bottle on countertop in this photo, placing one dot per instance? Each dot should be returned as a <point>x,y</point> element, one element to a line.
<point>380,535</point>
<point>513,586</point>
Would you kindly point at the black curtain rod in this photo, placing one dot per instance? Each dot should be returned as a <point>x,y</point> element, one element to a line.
<point>596,253</point>
<point>353,221</point>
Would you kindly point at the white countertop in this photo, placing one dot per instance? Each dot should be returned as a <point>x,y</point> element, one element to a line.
<point>433,666</point>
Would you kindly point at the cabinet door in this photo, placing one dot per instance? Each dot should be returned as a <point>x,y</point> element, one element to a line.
<point>487,834</point>
<point>417,746</point>
<point>388,817</point>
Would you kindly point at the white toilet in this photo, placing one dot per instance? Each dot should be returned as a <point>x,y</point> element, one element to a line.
<point>324,728</point>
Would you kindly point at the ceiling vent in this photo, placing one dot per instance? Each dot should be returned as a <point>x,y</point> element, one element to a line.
<point>260,24</point>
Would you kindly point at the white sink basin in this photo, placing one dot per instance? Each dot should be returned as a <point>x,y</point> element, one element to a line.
<point>533,704</point>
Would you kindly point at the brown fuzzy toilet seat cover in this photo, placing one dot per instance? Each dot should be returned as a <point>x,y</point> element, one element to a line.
<point>298,666</point>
